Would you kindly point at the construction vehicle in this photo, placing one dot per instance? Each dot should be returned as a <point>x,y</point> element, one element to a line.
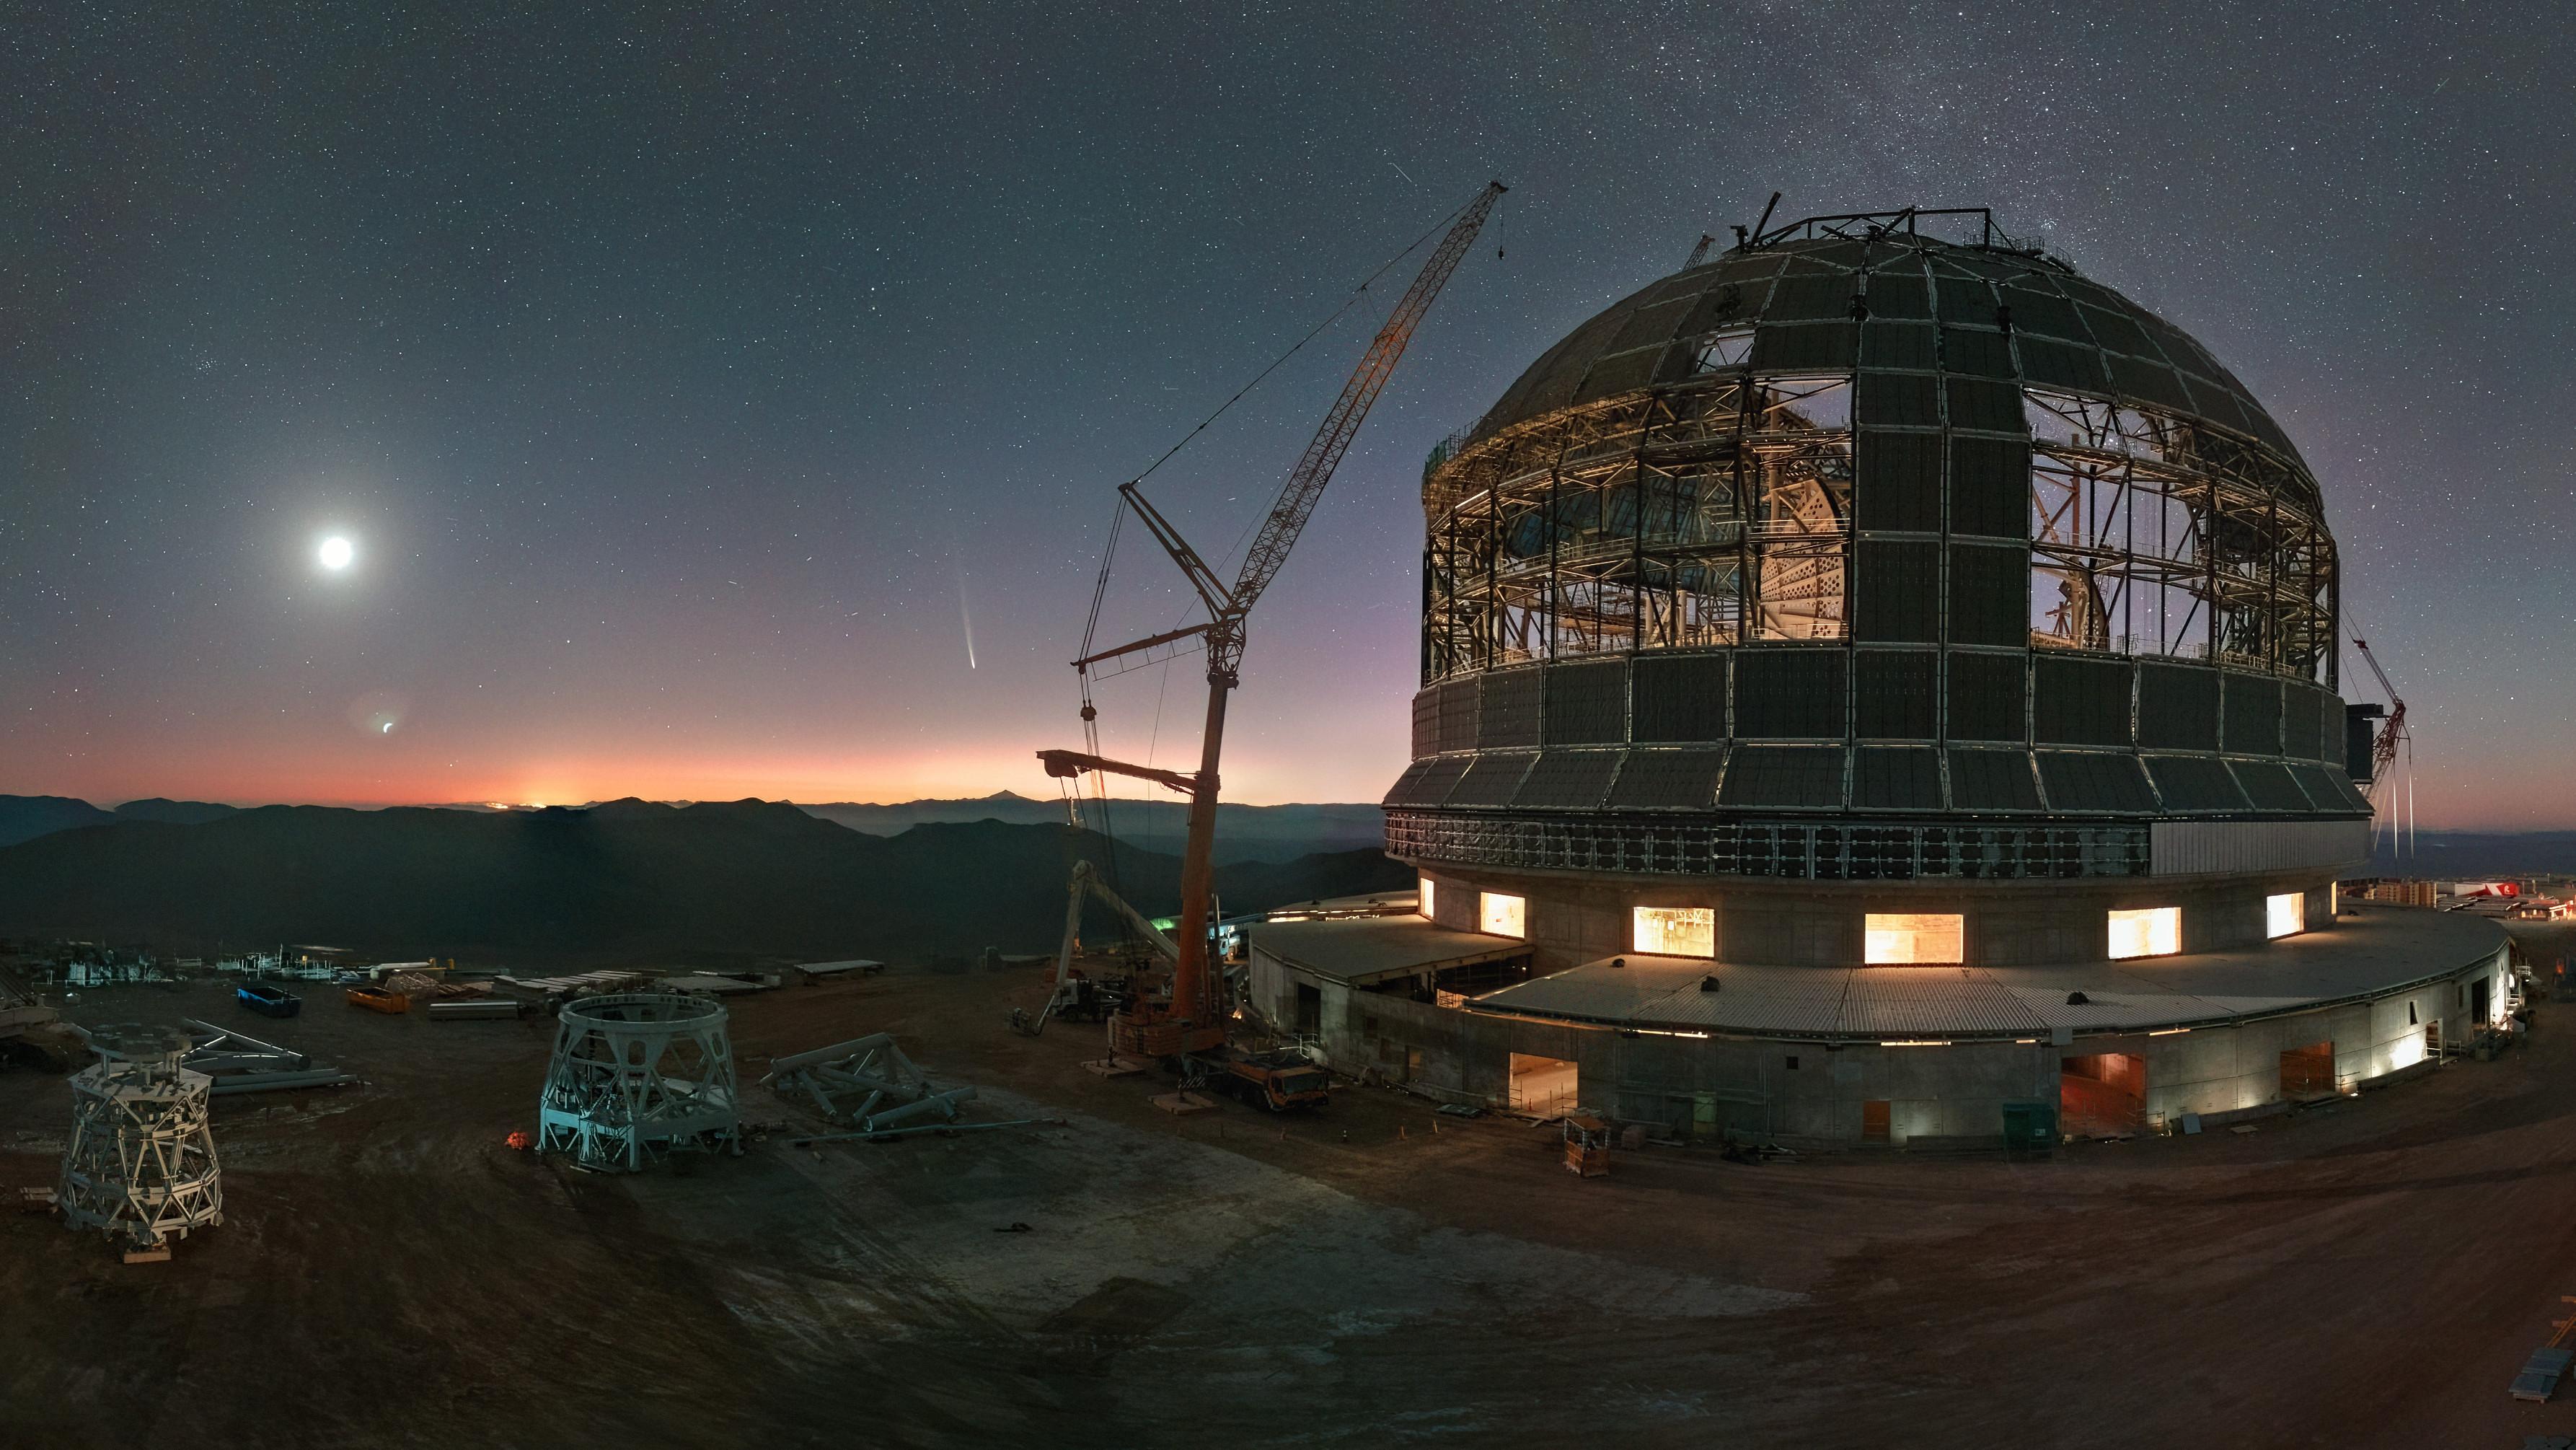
<point>1076,995</point>
<point>1173,1017</point>
<point>2392,733</point>
<point>1278,1080</point>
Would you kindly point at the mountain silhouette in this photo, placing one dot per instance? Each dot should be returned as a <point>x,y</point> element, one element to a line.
<point>623,881</point>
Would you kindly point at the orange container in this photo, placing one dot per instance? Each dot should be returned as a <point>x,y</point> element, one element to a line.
<point>377,999</point>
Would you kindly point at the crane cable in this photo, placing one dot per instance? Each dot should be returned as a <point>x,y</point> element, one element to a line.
<point>1118,513</point>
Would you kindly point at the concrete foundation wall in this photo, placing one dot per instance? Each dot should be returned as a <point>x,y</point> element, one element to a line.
<point>1695,1086</point>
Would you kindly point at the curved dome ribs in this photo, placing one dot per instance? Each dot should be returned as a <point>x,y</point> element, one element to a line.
<point>1726,455</point>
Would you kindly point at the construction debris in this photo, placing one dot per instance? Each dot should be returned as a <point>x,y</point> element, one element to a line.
<point>546,989</point>
<point>866,1083</point>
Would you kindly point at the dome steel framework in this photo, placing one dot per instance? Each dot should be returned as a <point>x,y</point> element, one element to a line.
<point>1856,520</point>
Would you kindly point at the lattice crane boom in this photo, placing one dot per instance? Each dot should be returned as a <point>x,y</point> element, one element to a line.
<point>2383,750</point>
<point>1305,486</point>
<point>1190,1018</point>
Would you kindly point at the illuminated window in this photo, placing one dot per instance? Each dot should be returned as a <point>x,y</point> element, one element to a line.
<point>2285,915</point>
<point>1895,940</point>
<point>1425,906</point>
<point>1499,914</point>
<point>1675,931</point>
<point>2154,931</point>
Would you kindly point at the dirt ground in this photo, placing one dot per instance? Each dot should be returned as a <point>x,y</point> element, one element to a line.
<point>389,1273</point>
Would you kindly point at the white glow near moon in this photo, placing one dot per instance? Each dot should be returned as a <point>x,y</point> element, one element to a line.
<point>337,552</point>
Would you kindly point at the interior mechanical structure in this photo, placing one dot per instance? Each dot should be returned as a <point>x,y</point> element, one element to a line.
<point>1878,549</point>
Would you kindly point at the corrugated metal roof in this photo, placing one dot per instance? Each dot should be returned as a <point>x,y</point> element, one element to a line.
<point>1361,949</point>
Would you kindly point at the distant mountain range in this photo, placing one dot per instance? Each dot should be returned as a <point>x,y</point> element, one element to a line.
<point>708,884</point>
<point>25,817</point>
<point>1244,833</point>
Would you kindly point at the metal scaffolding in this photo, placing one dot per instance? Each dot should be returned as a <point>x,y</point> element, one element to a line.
<point>141,1163</point>
<point>637,1076</point>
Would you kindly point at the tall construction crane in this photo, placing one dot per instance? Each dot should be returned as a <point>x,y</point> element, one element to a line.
<point>1188,1017</point>
<point>2392,734</point>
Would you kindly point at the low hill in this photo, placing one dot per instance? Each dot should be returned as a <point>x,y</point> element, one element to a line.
<point>627,881</point>
<point>1243,832</point>
<point>25,817</point>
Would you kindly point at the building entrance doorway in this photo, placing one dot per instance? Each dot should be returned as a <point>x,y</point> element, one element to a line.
<point>2308,1072</point>
<point>2479,1002</point>
<point>1310,1010</point>
<point>1546,1086</point>
<point>2103,1094</point>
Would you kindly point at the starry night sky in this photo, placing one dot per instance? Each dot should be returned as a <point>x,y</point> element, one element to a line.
<point>692,388</point>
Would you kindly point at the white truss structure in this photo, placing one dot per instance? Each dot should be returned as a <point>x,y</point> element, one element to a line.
<point>141,1163</point>
<point>636,1076</point>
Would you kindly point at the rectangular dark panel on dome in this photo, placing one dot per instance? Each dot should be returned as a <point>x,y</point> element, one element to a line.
<point>2117,332</point>
<point>1652,325</point>
<point>1896,778</point>
<point>1990,487</point>
<point>1989,594</point>
<point>2253,715</point>
<point>2330,729</point>
<point>1992,780</point>
<point>1784,777</point>
<point>1905,399</point>
<point>1667,780</point>
<point>1726,304</point>
<point>1458,714</point>
<point>1811,298</point>
<point>2195,783</point>
<point>1987,406</point>
<point>1789,693</point>
<point>1587,703</point>
<point>1804,347</point>
<point>1976,352</point>
<point>2182,349</point>
<point>1898,345</point>
<point>1572,780</point>
<point>1429,782</point>
<point>1988,694</point>
<point>2329,789</point>
<point>2049,363</point>
<point>1896,293</point>
<point>1896,694</point>
<point>2152,382</point>
<point>1897,481</point>
<point>2177,707</point>
<point>2078,701</point>
<point>2269,785</point>
<point>1896,591</point>
<point>2082,782</point>
<point>1493,780</point>
<point>1426,721</point>
<point>1625,373</point>
<point>1961,298</point>
<point>1678,697</point>
<point>2299,717</point>
<point>2035,310</point>
<point>2217,403</point>
<point>1507,710</point>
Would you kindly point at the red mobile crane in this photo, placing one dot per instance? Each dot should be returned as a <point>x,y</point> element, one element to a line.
<point>2383,748</point>
<point>1186,1016</point>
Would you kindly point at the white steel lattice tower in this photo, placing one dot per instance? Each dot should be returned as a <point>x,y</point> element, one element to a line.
<point>638,1075</point>
<point>141,1164</point>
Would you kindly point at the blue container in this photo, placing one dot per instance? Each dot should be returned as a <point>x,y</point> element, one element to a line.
<point>268,1001</point>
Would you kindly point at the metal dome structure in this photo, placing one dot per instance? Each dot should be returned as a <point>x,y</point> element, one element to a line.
<point>1859,553</point>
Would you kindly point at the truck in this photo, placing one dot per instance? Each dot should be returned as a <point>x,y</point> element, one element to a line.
<point>1277,1080</point>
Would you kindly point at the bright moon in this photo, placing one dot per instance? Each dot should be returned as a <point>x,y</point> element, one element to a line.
<point>336,553</point>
